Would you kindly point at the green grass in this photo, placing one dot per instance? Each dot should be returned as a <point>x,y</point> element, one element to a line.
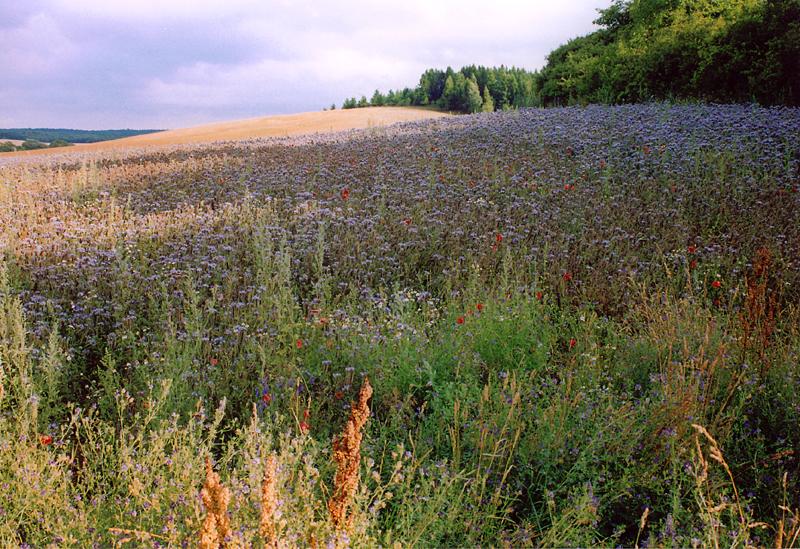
<point>507,431</point>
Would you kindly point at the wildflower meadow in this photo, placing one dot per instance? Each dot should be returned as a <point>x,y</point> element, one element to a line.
<point>545,327</point>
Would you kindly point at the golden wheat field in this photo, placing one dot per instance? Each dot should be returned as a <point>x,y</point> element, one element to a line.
<point>253,128</point>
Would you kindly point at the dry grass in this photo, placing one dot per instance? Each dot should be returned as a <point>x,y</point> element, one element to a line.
<point>347,455</point>
<point>787,528</point>
<point>715,453</point>
<point>252,128</point>
<point>787,531</point>
<point>133,536</point>
<point>642,524</point>
<point>711,507</point>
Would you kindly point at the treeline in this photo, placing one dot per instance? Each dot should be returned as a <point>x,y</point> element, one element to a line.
<point>49,135</point>
<point>31,145</point>
<point>470,89</point>
<point>709,50</point>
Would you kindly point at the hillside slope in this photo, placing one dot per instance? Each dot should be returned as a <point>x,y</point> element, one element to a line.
<point>267,126</point>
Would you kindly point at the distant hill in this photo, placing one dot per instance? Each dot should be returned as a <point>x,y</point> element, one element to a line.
<point>48,135</point>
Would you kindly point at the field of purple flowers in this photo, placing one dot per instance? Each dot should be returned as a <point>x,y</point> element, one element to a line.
<point>581,326</point>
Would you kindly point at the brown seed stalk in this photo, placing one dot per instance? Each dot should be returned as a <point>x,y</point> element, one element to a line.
<point>347,455</point>
<point>269,503</point>
<point>216,497</point>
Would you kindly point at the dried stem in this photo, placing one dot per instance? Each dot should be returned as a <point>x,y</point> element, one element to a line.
<point>715,453</point>
<point>216,497</point>
<point>347,455</point>
<point>269,503</point>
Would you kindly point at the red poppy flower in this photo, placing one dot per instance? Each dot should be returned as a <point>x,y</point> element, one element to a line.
<point>567,276</point>
<point>214,361</point>
<point>338,395</point>
<point>345,193</point>
<point>716,284</point>
<point>693,264</point>
<point>691,249</point>
<point>479,306</point>
<point>407,221</point>
<point>572,342</point>
<point>568,186</point>
<point>498,237</point>
<point>305,427</point>
<point>266,398</point>
<point>460,320</point>
<point>45,440</point>
<point>299,343</point>
<point>539,295</point>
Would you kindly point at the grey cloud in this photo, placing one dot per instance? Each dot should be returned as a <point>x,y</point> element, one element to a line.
<point>161,63</point>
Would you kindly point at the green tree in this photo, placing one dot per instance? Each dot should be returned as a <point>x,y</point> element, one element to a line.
<point>59,143</point>
<point>736,50</point>
<point>32,144</point>
<point>7,146</point>
<point>488,103</point>
<point>473,96</point>
<point>378,100</point>
<point>497,89</point>
<point>447,99</point>
<point>458,99</point>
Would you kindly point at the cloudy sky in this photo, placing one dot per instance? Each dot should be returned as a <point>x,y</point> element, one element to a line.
<point>98,64</point>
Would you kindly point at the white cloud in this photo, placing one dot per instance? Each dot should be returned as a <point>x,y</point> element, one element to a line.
<point>199,60</point>
<point>155,10</point>
<point>39,47</point>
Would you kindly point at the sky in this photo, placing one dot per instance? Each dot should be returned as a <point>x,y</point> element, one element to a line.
<point>103,64</point>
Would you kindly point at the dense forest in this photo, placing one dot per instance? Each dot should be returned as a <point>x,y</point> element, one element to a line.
<point>710,50</point>
<point>48,135</point>
<point>644,50</point>
<point>471,89</point>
